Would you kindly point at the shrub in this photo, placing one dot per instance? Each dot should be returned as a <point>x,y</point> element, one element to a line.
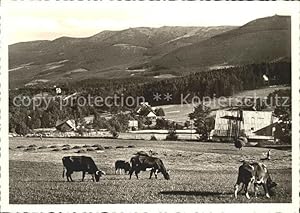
<point>76,147</point>
<point>56,149</point>
<point>172,136</point>
<point>114,133</point>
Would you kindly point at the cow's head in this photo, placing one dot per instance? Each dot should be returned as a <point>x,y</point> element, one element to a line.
<point>98,174</point>
<point>127,167</point>
<point>166,175</point>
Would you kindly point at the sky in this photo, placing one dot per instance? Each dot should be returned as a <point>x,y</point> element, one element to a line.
<point>47,20</point>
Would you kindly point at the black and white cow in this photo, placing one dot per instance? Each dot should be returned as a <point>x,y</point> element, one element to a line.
<point>81,164</point>
<point>256,173</point>
<point>122,165</point>
<point>145,162</point>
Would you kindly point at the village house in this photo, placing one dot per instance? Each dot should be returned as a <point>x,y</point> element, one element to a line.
<point>65,126</point>
<point>144,109</point>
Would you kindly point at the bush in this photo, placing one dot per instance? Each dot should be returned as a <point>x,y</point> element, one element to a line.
<point>22,129</point>
<point>56,150</point>
<point>76,147</point>
<point>114,134</point>
<point>172,136</point>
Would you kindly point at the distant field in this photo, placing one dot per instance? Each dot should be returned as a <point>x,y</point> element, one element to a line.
<point>179,113</point>
<point>200,173</point>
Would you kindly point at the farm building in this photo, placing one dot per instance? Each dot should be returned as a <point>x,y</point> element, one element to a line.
<point>144,109</point>
<point>133,125</point>
<point>65,126</point>
<point>252,124</point>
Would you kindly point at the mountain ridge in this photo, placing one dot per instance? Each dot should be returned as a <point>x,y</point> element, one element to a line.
<point>146,52</point>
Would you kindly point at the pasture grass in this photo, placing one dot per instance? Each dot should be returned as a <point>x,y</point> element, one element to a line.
<point>200,173</point>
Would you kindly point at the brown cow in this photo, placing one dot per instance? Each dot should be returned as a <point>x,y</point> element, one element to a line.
<point>255,173</point>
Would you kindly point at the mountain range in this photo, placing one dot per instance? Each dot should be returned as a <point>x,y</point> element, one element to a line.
<point>149,53</point>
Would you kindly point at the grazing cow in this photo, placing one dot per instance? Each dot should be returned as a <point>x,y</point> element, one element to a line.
<point>144,162</point>
<point>120,165</point>
<point>255,173</point>
<point>240,142</point>
<point>81,164</point>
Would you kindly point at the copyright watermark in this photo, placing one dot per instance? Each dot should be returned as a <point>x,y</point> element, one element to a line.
<point>130,101</point>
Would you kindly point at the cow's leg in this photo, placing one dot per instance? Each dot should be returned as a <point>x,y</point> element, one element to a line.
<point>255,189</point>
<point>116,170</point>
<point>151,173</point>
<point>83,174</point>
<point>266,190</point>
<point>136,174</point>
<point>130,173</point>
<point>93,177</point>
<point>71,178</point>
<point>236,190</point>
<point>156,172</point>
<point>68,174</point>
<point>247,189</point>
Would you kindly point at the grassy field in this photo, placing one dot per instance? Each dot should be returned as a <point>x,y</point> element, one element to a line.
<point>200,172</point>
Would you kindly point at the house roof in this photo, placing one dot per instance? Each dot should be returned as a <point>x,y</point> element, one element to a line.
<point>70,123</point>
<point>149,112</point>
